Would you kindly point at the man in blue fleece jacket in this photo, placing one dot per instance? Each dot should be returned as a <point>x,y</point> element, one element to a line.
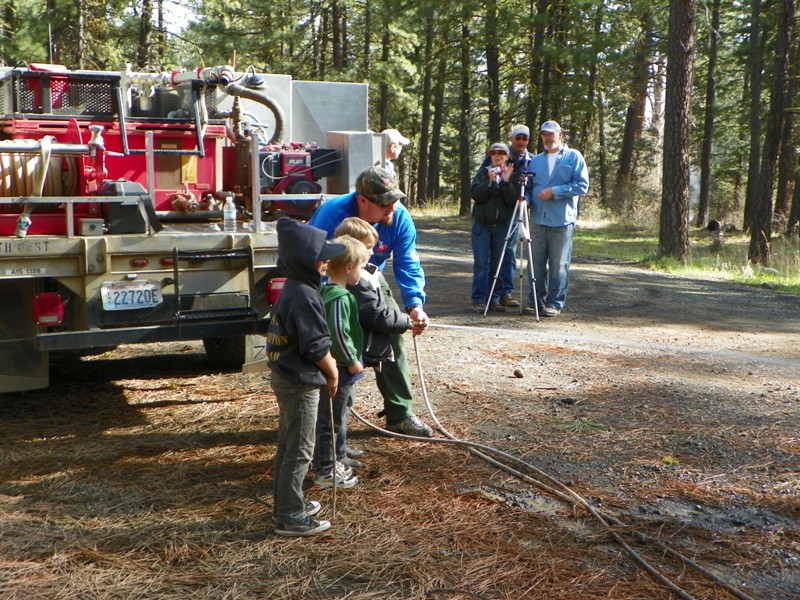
<point>560,177</point>
<point>376,201</point>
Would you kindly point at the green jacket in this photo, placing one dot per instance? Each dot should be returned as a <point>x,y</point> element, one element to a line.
<point>341,310</point>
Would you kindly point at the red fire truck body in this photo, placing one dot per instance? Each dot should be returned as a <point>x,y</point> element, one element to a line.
<point>111,195</point>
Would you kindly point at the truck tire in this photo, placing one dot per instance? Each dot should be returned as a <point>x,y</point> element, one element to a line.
<point>234,351</point>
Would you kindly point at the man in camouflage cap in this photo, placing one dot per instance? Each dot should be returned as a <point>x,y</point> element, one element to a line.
<point>376,201</point>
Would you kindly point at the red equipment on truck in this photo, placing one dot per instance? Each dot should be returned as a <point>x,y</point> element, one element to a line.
<point>111,195</point>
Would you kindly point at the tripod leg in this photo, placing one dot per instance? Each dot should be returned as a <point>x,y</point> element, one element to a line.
<point>525,236</point>
<point>509,234</point>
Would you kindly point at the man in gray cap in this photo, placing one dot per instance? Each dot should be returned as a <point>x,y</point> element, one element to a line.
<point>394,145</point>
<point>560,177</point>
<point>376,201</point>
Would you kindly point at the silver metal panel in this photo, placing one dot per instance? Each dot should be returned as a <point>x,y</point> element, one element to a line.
<point>322,106</point>
<point>358,151</point>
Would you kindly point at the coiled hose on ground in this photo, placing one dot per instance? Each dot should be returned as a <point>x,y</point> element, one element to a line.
<point>558,489</point>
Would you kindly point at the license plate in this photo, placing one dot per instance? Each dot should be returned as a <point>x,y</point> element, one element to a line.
<point>130,295</point>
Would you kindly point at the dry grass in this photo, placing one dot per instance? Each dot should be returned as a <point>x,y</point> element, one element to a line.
<point>149,488</point>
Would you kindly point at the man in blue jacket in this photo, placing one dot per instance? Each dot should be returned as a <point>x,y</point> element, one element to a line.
<point>559,177</point>
<point>376,201</point>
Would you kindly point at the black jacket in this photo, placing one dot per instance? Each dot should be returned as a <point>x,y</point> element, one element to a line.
<point>493,202</point>
<point>298,332</point>
<point>377,320</point>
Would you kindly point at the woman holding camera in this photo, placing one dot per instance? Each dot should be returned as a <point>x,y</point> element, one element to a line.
<point>495,189</point>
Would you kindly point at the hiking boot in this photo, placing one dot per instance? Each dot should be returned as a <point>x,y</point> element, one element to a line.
<point>355,452</point>
<point>509,302</point>
<point>479,308</point>
<point>411,425</point>
<point>302,527</point>
<point>352,463</point>
<point>343,481</point>
<point>550,311</point>
<point>497,307</point>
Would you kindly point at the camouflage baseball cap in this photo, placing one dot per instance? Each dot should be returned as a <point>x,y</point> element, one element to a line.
<point>378,186</point>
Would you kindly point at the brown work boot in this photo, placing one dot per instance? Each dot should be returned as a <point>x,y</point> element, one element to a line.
<point>509,302</point>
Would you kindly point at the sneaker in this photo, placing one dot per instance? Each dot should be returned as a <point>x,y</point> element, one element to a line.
<point>509,301</point>
<point>530,309</point>
<point>411,425</point>
<point>550,311</point>
<point>342,481</point>
<point>312,507</point>
<point>355,452</point>
<point>302,528</point>
<point>496,307</point>
<point>479,308</point>
<point>343,469</point>
<point>351,462</point>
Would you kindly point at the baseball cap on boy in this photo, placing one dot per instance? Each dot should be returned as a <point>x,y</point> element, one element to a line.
<point>378,186</point>
<point>330,250</point>
<point>550,127</point>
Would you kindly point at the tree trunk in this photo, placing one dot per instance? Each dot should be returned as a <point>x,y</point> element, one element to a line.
<point>755,67</point>
<point>708,127</point>
<point>634,118</point>
<point>601,142</point>
<point>337,35</point>
<point>367,39</point>
<point>493,70</point>
<point>383,95</point>
<point>588,118</point>
<point>761,234</point>
<point>788,160</point>
<point>464,163</point>
<point>424,136</point>
<point>432,192</point>
<point>673,237</point>
<point>535,96</point>
<point>145,37</point>
<point>793,224</point>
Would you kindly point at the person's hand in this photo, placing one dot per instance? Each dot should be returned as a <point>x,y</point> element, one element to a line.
<point>355,369</point>
<point>419,321</point>
<point>509,169</point>
<point>332,384</point>
<point>546,194</point>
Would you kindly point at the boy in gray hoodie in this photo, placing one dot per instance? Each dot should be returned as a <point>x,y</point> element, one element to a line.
<point>298,354</point>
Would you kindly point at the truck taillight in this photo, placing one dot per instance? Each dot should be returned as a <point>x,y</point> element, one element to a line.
<point>274,288</point>
<point>48,309</point>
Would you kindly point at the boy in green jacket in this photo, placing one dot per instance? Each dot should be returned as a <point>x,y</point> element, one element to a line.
<point>341,310</point>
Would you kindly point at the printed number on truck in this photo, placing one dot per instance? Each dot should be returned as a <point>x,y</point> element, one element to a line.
<point>130,295</point>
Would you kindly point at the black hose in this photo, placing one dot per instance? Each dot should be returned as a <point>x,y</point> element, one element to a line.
<point>234,89</point>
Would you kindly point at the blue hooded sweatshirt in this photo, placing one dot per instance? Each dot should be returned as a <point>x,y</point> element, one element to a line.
<point>298,332</point>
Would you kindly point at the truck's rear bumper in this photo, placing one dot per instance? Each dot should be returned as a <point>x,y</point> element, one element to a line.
<point>99,338</point>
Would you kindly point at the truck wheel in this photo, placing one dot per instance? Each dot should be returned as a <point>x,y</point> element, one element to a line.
<point>232,352</point>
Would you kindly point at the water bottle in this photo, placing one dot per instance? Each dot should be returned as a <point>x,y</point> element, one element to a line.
<point>229,216</point>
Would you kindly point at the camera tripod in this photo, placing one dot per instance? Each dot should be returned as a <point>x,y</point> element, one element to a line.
<point>520,214</point>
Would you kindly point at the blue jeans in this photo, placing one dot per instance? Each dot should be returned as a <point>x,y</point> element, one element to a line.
<point>509,264</point>
<point>297,403</point>
<point>342,401</point>
<point>552,253</point>
<point>487,248</point>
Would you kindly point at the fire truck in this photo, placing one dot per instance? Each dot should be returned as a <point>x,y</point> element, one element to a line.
<point>112,194</point>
